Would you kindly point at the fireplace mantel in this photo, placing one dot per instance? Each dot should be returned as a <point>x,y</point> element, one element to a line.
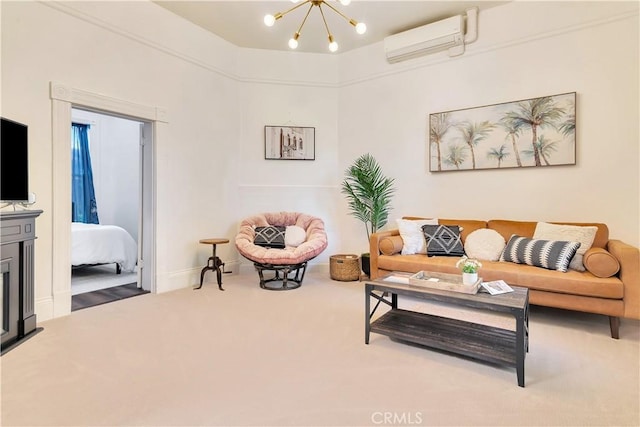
<point>17,255</point>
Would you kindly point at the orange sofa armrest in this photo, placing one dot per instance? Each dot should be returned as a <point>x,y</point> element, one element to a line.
<point>629,258</point>
<point>374,249</point>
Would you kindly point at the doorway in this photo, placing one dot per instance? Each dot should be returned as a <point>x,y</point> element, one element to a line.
<point>106,175</point>
<point>153,120</point>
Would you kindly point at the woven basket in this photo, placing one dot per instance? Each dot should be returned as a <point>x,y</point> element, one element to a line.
<point>345,268</point>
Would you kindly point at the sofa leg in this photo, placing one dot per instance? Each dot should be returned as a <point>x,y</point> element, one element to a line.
<point>614,324</point>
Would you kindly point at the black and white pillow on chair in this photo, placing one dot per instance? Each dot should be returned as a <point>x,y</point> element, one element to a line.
<point>271,236</point>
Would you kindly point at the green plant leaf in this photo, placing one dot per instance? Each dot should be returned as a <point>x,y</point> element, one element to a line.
<point>368,193</point>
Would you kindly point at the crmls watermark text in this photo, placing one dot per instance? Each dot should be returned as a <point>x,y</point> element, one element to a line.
<point>397,418</point>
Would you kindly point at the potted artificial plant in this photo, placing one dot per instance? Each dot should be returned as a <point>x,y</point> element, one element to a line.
<point>368,193</point>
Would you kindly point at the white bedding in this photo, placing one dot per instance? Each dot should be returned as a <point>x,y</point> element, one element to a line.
<point>102,244</point>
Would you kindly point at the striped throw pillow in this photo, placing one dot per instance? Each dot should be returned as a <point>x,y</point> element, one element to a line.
<point>550,254</point>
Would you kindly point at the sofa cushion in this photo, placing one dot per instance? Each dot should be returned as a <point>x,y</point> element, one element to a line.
<point>412,236</point>
<point>535,278</point>
<point>508,228</point>
<point>271,236</point>
<point>600,262</point>
<point>443,240</point>
<point>572,282</point>
<point>467,226</point>
<point>416,263</point>
<point>390,245</point>
<point>573,233</point>
<point>484,244</point>
<point>550,254</point>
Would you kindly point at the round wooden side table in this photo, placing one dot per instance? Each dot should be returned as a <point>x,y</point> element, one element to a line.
<point>214,262</point>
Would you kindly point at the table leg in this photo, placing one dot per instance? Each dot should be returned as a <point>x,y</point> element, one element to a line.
<point>204,270</point>
<point>213,263</point>
<point>219,273</point>
<point>521,347</point>
<point>367,315</point>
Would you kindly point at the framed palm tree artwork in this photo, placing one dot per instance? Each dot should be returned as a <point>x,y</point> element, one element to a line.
<point>536,132</point>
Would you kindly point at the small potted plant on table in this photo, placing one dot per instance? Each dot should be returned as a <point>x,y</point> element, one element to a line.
<point>368,194</point>
<point>469,267</point>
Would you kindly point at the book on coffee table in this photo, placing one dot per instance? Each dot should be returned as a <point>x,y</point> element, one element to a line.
<point>496,287</point>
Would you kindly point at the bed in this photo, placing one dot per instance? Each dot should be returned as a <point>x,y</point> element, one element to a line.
<point>93,244</point>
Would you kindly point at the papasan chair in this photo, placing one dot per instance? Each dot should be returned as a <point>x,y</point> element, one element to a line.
<point>281,242</point>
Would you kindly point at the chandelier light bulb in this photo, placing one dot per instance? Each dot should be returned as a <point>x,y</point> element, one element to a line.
<point>345,2</point>
<point>269,20</point>
<point>333,46</point>
<point>361,28</point>
<point>293,43</point>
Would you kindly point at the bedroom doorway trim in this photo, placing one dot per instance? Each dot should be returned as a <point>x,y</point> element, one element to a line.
<point>64,98</point>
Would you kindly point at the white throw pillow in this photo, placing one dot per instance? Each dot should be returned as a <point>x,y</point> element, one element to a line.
<point>484,244</point>
<point>413,241</point>
<point>571,233</point>
<point>294,236</point>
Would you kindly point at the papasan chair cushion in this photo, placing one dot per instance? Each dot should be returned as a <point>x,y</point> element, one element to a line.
<point>315,243</point>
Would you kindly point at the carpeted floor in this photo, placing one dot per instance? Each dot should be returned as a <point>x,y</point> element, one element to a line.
<point>104,296</point>
<point>251,357</point>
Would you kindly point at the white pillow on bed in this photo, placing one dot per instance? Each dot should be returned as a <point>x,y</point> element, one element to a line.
<point>294,236</point>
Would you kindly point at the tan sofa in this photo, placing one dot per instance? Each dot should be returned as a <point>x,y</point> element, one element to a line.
<point>615,296</point>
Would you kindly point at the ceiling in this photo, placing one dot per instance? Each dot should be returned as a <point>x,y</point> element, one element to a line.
<point>241,22</point>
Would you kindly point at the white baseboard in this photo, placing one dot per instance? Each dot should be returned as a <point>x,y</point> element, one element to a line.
<point>188,278</point>
<point>44,309</point>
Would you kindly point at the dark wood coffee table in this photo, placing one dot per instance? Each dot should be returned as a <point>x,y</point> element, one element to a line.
<point>478,341</point>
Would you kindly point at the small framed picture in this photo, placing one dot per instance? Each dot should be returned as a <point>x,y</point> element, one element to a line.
<point>289,143</point>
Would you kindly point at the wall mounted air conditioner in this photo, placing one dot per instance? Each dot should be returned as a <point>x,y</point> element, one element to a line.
<point>430,38</point>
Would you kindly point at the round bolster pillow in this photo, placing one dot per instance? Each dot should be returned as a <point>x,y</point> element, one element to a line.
<point>600,262</point>
<point>390,245</point>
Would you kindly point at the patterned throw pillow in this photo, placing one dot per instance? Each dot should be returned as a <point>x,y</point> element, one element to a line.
<point>583,234</point>
<point>270,237</point>
<point>550,254</point>
<point>443,240</point>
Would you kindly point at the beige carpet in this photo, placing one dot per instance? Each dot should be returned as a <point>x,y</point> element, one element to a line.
<point>249,357</point>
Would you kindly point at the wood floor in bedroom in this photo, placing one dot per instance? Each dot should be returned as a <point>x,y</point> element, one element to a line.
<point>95,285</point>
<point>103,296</point>
<point>88,279</point>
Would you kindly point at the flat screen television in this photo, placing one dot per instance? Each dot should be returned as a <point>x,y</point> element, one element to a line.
<point>14,161</point>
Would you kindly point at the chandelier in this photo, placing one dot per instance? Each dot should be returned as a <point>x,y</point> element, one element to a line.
<point>360,27</point>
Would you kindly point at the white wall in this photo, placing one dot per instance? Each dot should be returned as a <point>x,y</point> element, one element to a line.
<point>296,89</point>
<point>114,145</point>
<point>524,50</point>
<point>210,169</point>
<point>140,53</point>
